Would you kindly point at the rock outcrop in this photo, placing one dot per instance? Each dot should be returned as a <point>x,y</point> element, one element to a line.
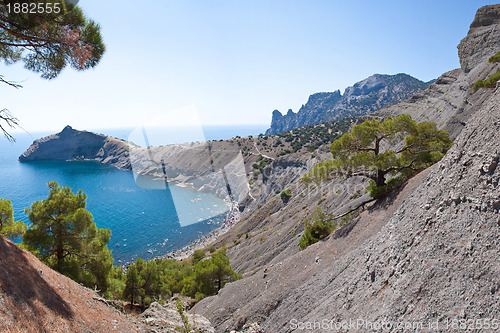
<point>166,319</point>
<point>426,255</point>
<point>368,95</point>
<point>74,145</point>
<point>482,40</point>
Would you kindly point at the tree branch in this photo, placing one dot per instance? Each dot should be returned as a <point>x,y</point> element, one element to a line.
<point>410,166</point>
<point>352,210</point>
<point>406,148</point>
<point>10,83</point>
<point>361,174</point>
<point>11,121</point>
<point>366,149</point>
<point>28,38</point>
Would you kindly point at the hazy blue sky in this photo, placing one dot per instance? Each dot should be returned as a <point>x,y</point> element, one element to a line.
<point>237,61</point>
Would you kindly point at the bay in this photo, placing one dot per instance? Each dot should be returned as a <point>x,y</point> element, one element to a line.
<point>143,222</point>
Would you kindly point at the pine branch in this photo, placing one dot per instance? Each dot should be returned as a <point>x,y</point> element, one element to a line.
<point>10,83</point>
<point>352,210</point>
<point>10,120</point>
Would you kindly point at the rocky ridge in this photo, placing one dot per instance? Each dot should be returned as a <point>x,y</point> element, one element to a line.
<point>74,145</point>
<point>426,254</point>
<point>197,165</point>
<point>362,98</point>
<point>390,255</point>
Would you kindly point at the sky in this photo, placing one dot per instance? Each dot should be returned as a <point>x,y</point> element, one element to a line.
<point>234,62</point>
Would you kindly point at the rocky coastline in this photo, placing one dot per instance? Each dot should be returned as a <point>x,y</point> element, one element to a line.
<point>198,166</point>
<point>205,241</point>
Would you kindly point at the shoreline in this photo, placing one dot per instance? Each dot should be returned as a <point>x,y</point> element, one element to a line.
<point>231,219</point>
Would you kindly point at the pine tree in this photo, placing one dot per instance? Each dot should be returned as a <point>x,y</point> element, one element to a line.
<point>64,236</point>
<point>46,42</point>
<point>8,227</point>
<point>134,283</point>
<point>211,275</point>
<point>365,151</point>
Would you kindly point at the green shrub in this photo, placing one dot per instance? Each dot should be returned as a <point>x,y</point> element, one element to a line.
<point>489,82</point>
<point>318,227</point>
<point>212,249</point>
<point>378,192</point>
<point>286,195</point>
<point>198,255</point>
<point>478,84</point>
<point>187,327</point>
<point>495,58</point>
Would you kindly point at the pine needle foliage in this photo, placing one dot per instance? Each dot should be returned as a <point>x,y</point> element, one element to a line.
<point>64,236</point>
<point>364,152</point>
<point>8,227</point>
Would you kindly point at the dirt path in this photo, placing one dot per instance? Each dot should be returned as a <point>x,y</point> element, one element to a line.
<point>258,151</point>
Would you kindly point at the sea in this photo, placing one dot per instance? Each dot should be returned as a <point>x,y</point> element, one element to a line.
<point>143,221</point>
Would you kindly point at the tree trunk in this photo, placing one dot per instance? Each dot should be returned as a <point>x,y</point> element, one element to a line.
<point>59,251</point>
<point>380,179</point>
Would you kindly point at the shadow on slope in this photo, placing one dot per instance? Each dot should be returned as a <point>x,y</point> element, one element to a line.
<point>24,293</point>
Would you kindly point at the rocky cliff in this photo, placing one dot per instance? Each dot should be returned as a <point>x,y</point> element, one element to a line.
<point>74,145</point>
<point>362,98</point>
<point>482,38</point>
<point>426,255</point>
<point>198,165</point>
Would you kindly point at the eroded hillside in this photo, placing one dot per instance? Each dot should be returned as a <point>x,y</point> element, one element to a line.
<point>34,298</point>
<point>427,253</point>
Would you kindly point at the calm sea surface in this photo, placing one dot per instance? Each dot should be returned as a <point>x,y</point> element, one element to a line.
<point>143,222</point>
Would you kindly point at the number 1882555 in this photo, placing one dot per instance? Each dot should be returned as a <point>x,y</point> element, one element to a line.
<point>33,8</point>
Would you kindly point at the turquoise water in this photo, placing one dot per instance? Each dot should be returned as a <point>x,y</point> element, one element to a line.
<point>143,222</point>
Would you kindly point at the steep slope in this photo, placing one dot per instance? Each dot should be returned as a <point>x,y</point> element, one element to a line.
<point>436,258</point>
<point>256,297</point>
<point>34,298</point>
<point>428,253</point>
<point>364,97</point>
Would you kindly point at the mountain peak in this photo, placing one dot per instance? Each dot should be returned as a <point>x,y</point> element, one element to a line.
<point>67,128</point>
<point>365,96</point>
<point>485,16</point>
<point>482,40</point>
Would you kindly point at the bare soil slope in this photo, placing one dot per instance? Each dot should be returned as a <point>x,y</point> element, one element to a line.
<point>429,256</point>
<point>256,297</point>
<point>34,298</point>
